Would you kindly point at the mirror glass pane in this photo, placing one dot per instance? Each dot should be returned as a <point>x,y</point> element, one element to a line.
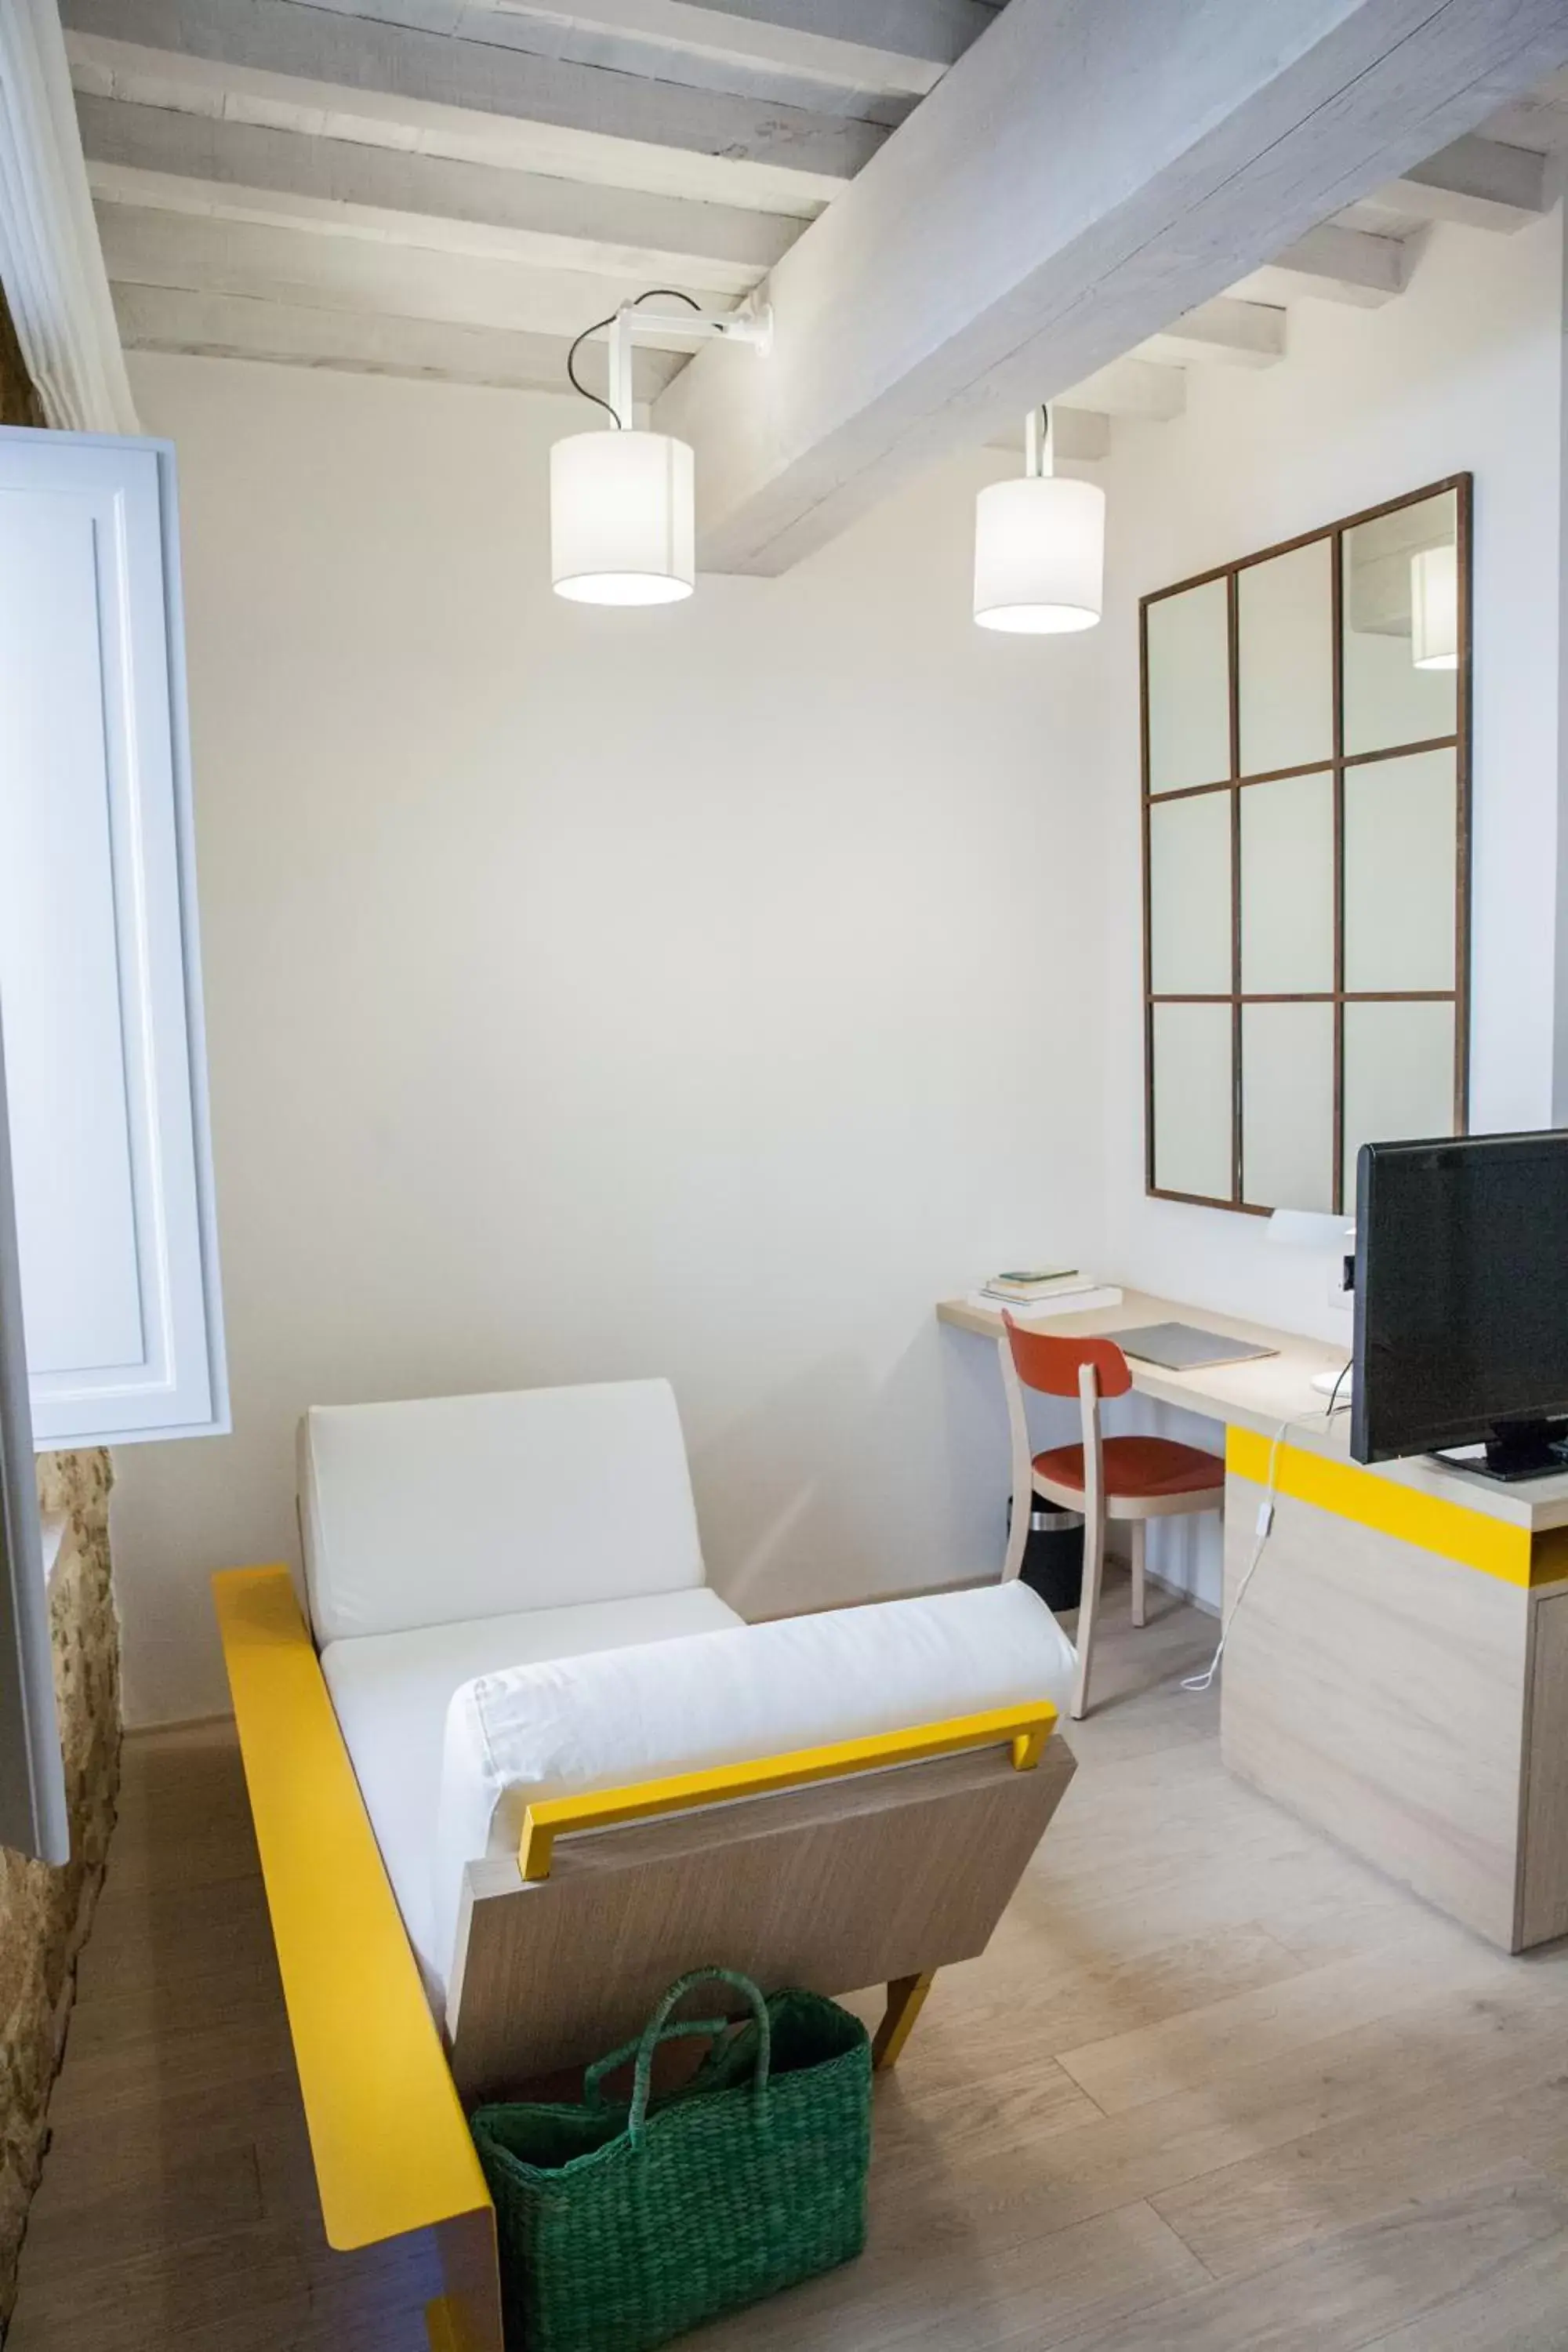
<point>1401,855</point>
<point>1189,897</point>
<point>1285,625</point>
<point>1189,689</point>
<point>1399,1077</point>
<point>1286,885</point>
<point>1193,1099</point>
<point>1401,626</point>
<point>1288,1106</point>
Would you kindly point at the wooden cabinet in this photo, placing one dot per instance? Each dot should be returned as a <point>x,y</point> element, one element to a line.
<point>1398,1675</point>
<point>100,979</point>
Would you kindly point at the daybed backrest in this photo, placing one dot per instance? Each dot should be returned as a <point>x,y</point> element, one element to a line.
<point>454,1507</point>
<point>625,1715</point>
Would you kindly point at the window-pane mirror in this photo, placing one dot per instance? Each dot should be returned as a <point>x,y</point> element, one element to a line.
<point>1402,625</point>
<point>1399,1075</point>
<point>1191,1046</point>
<point>1190,942</point>
<point>1286,885</point>
<point>1305,788</point>
<point>1187,641</point>
<point>1285,670</point>
<point>1401,859</point>
<point>1288,1106</point>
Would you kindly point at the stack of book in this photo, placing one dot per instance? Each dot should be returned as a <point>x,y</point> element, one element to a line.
<point>1045,1290</point>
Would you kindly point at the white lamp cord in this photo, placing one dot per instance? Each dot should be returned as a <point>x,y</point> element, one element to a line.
<point>1264,1528</point>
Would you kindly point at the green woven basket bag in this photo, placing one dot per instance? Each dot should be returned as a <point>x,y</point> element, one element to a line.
<point>622,2226</point>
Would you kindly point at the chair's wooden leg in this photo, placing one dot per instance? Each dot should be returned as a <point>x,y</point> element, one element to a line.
<point>906,1996</point>
<point>1088,1609</point>
<point>1139,1528</point>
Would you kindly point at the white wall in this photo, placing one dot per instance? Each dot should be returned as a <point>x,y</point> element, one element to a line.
<point>595,993</point>
<point>707,991</point>
<point>1463,374</point>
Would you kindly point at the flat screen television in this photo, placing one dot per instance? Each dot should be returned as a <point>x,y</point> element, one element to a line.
<point>1461,1300</point>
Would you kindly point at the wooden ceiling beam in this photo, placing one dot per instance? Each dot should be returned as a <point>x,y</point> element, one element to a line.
<point>1336,265</point>
<point>167,81</point>
<point>1479,182</point>
<point>295,265</point>
<point>1043,212</point>
<point>328,51</point>
<point>230,326</point>
<point>1235,333</point>
<point>898,49</point>
<point>156,155</point>
<point>1133,387</point>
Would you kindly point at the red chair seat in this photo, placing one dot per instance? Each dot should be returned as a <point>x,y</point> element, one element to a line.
<point>1136,1468</point>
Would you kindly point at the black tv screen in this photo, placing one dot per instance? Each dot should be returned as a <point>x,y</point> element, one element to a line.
<point>1461,1297</point>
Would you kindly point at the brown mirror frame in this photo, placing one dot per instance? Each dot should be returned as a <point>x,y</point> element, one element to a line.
<point>1460,485</point>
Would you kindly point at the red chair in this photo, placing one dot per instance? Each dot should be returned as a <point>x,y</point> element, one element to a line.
<point>1132,1479</point>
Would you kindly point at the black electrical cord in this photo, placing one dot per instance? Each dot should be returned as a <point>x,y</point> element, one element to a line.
<point>1334,1392</point>
<point>654,293</point>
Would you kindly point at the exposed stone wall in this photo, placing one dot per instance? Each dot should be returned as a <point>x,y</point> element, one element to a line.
<point>45,1913</point>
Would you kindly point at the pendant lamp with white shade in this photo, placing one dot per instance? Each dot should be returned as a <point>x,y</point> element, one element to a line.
<point>623,501</point>
<point>1039,545</point>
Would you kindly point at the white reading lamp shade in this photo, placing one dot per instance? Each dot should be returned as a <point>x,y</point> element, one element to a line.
<point>1039,554</point>
<point>1435,608</point>
<point>623,526</point>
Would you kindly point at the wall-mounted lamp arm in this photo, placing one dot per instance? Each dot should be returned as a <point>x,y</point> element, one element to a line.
<point>632,325</point>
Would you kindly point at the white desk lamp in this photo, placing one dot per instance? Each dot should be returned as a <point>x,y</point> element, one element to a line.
<point>1312,1229</point>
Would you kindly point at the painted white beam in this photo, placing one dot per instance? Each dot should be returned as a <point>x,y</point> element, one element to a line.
<point>1044,211</point>
<point>593,38</point>
<point>888,51</point>
<point>1132,388</point>
<point>1335,265</point>
<point>148,197</point>
<point>164,80</point>
<point>323,46</point>
<point>268,263</point>
<point>1238,334</point>
<point>1082,436</point>
<point>156,156</point>
<point>229,326</point>
<point>1478,182</point>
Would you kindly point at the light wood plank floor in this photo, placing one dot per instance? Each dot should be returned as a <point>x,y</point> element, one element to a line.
<point>1214,2087</point>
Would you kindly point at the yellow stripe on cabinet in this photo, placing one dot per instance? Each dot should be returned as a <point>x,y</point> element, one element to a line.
<point>1469,1538</point>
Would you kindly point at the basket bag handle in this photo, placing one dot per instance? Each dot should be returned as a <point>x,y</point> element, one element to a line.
<point>653,2033</point>
<point>595,2076</point>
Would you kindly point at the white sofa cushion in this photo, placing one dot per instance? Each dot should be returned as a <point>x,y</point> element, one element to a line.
<point>390,1692</point>
<point>452,1507</point>
<point>606,1721</point>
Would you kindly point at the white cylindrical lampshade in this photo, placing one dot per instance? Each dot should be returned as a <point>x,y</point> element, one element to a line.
<point>623,526</point>
<point>1039,554</point>
<point>1435,608</point>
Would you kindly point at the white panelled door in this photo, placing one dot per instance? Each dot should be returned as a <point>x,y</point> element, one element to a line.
<point>99,984</point>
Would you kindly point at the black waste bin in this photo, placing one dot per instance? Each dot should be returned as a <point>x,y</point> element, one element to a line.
<point>1052,1557</point>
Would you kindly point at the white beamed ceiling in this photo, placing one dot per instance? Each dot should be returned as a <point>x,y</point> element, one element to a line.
<point>456,188</point>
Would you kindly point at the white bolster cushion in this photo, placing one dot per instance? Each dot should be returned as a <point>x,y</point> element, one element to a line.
<point>617,1716</point>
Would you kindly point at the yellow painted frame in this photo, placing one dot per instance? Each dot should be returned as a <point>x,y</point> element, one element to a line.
<point>1024,1728</point>
<point>390,2142</point>
<point>1470,1538</point>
